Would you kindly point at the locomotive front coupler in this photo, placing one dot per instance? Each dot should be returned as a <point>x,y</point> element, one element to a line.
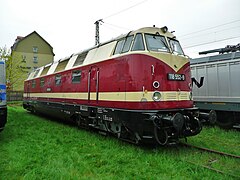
<point>176,120</point>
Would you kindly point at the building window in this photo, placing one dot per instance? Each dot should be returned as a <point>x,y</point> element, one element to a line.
<point>35,59</point>
<point>42,82</point>
<point>76,76</point>
<point>58,79</point>
<point>35,49</point>
<point>23,58</point>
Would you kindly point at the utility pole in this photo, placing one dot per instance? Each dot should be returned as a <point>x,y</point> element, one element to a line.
<point>97,38</point>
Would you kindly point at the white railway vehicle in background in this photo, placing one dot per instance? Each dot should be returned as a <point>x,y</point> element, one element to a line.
<point>220,90</point>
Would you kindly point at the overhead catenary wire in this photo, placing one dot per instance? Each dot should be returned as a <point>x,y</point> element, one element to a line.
<point>112,26</point>
<point>213,27</point>
<point>210,33</point>
<point>116,26</point>
<point>126,9</point>
<point>210,42</point>
<point>98,22</point>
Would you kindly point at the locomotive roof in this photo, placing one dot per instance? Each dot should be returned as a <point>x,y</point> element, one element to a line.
<point>110,45</point>
<point>154,30</point>
<point>150,30</point>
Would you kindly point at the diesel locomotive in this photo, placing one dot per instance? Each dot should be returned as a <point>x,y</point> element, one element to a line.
<point>137,87</point>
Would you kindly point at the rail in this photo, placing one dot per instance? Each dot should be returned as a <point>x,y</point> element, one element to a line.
<point>211,151</point>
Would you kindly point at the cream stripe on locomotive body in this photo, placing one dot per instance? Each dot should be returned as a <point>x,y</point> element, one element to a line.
<point>115,96</point>
<point>137,86</point>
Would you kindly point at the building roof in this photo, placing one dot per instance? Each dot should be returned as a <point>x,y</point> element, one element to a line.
<point>20,38</point>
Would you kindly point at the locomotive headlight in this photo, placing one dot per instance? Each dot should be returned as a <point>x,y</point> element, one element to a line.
<point>156,96</point>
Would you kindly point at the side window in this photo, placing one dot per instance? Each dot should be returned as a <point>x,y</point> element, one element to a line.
<point>36,73</point>
<point>176,47</point>
<point>119,46</point>
<point>76,76</point>
<point>33,83</point>
<point>41,82</point>
<point>127,44</point>
<point>58,79</point>
<point>138,43</point>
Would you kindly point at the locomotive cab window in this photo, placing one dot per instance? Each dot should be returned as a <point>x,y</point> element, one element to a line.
<point>138,44</point>
<point>127,44</point>
<point>119,46</point>
<point>76,76</point>
<point>175,46</point>
<point>156,42</point>
<point>58,79</point>
<point>123,45</point>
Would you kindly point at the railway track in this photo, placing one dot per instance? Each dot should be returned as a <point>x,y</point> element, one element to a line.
<point>210,150</point>
<point>214,152</point>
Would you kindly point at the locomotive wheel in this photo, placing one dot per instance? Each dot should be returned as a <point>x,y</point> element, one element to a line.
<point>33,110</point>
<point>212,117</point>
<point>196,127</point>
<point>81,122</point>
<point>78,121</point>
<point>161,135</point>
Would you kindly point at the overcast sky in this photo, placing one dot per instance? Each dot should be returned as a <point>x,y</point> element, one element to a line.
<point>69,25</point>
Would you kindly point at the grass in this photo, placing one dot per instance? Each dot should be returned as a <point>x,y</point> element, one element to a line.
<point>33,147</point>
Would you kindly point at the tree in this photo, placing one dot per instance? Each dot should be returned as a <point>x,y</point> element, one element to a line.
<point>14,68</point>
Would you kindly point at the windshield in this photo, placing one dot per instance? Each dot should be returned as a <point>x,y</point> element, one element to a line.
<point>156,43</point>
<point>175,46</point>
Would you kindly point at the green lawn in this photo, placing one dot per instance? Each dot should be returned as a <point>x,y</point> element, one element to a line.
<point>33,147</point>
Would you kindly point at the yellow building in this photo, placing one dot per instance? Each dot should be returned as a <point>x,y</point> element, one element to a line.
<point>28,53</point>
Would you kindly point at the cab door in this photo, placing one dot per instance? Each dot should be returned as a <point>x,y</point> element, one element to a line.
<point>28,90</point>
<point>93,85</point>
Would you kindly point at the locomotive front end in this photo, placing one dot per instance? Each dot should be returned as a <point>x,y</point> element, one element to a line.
<point>170,126</point>
<point>167,88</point>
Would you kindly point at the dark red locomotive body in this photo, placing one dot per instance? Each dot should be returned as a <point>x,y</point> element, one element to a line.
<point>137,86</point>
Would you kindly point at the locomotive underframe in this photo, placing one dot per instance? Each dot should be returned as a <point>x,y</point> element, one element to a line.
<point>162,127</point>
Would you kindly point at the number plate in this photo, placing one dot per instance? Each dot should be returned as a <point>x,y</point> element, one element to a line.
<point>176,77</point>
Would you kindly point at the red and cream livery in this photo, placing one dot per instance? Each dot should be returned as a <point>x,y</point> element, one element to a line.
<point>137,87</point>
